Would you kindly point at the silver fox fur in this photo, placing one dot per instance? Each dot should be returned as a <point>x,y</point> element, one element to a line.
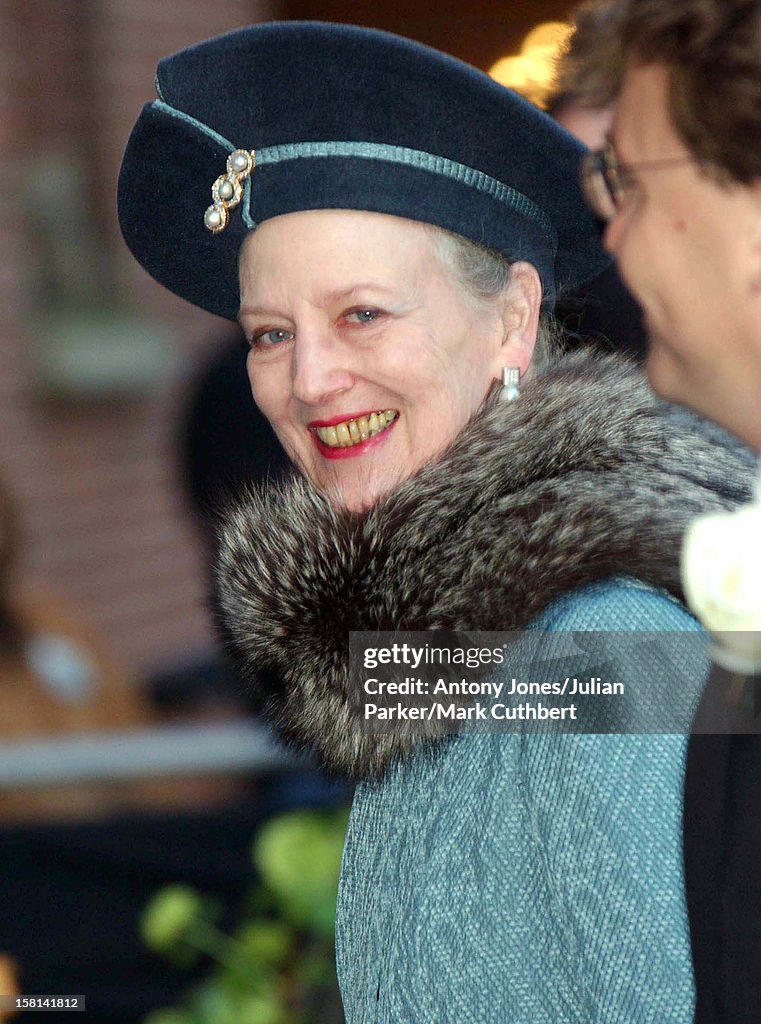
<point>585,477</point>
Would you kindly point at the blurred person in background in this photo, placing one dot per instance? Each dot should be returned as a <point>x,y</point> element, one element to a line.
<point>603,311</point>
<point>394,265</point>
<point>226,444</point>
<point>579,100</point>
<point>55,679</point>
<point>58,681</point>
<point>679,184</point>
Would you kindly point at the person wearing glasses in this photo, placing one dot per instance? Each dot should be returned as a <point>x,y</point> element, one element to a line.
<point>603,311</point>
<point>390,227</point>
<point>679,186</point>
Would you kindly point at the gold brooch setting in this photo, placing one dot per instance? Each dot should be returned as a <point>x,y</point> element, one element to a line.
<point>227,190</point>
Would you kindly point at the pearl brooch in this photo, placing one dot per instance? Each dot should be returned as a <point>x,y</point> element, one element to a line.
<point>227,190</point>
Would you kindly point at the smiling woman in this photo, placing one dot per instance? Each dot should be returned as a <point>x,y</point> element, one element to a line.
<point>393,247</point>
<point>367,353</point>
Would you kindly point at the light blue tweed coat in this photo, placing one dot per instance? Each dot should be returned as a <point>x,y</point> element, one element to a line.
<point>502,879</point>
<point>525,879</point>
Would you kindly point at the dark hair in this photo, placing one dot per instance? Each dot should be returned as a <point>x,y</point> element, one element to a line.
<point>588,71</point>
<point>713,51</point>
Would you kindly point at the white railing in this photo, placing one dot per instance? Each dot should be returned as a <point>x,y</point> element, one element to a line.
<point>234,747</point>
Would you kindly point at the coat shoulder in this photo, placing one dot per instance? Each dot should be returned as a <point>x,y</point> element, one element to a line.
<point>616,604</point>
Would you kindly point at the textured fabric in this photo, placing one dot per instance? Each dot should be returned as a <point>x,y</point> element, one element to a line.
<point>722,840</point>
<point>585,477</point>
<point>722,853</point>
<point>525,879</point>
<point>346,118</point>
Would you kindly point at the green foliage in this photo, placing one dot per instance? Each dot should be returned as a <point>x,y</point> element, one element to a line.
<point>267,942</point>
<point>170,916</point>
<point>299,859</point>
<point>169,1017</point>
<point>278,966</point>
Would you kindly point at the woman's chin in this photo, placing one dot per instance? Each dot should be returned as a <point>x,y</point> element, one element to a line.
<point>357,498</point>
<point>359,490</point>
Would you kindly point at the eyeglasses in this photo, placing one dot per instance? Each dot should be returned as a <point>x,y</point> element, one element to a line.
<point>608,184</point>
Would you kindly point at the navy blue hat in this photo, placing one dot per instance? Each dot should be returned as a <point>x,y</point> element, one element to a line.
<point>292,116</point>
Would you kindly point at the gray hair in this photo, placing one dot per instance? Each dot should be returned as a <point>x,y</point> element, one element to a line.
<point>483,274</point>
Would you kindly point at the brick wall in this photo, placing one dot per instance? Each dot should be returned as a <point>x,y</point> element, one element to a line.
<point>104,522</point>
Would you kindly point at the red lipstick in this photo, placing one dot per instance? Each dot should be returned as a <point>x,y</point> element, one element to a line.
<point>353,450</point>
<point>343,418</point>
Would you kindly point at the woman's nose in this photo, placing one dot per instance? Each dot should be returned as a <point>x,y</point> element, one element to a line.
<point>320,368</point>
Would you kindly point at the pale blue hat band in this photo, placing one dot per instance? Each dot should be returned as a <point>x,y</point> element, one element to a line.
<point>468,176</point>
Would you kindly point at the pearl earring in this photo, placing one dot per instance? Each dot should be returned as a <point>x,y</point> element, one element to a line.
<point>511,384</point>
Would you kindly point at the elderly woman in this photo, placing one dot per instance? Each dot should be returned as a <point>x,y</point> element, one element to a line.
<point>401,224</point>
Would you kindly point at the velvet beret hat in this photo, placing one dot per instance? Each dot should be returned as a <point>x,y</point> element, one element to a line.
<point>290,116</point>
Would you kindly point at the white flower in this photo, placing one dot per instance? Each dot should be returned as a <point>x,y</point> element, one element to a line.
<point>721,576</point>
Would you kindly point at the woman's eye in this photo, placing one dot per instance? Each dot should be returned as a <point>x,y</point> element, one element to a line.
<point>363,316</point>
<point>276,336</point>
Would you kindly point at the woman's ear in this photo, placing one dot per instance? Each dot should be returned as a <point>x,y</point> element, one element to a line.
<point>520,304</point>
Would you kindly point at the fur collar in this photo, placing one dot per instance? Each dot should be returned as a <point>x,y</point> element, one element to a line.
<point>586,476</point>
